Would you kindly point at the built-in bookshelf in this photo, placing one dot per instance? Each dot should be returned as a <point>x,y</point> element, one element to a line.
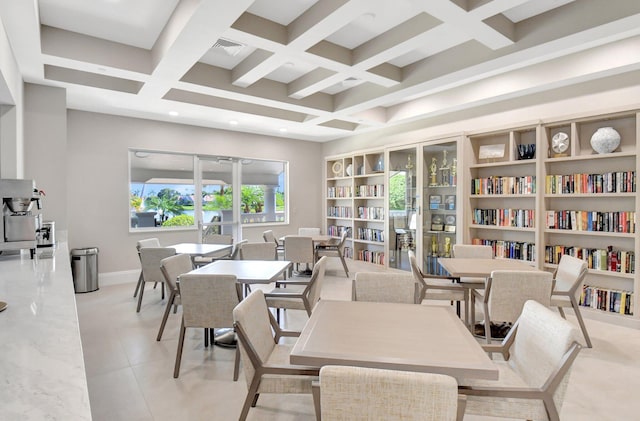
<point>590,208</point>
<point>355,195</point>
<point>502,190</point>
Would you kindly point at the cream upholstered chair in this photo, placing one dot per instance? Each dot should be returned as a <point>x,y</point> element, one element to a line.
<point>335,250</point>
<point>299,295</point>
<point>207,302</point>
<point>471,251</point>
<point>223,239</point>
<point>258,251</point>
<point>569,282</point>
<point>266,362</point>
<point>433,287</point>
<point>148,242</point>
<point>233,255</point>
<point>308,232</point>
<point>372,394</point>
<point>171,268</point>
<point>150,258</point>
<point>538,351</point>
<point>385,287</point>
<point>269,237</point>
<point>299,249</point>
<point>506,291</point>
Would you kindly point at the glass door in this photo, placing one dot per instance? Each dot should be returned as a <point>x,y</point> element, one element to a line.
<point>218,211</point>
<point>404,211</point>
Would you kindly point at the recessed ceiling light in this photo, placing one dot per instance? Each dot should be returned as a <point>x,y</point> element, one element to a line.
<point>369,16</point>
<point>173,113</point>
<point>102,69</point>
<point>289,64</point>
<point>233,122</point>
<point>283,129</point>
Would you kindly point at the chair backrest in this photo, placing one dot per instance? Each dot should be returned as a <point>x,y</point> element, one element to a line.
<point>235,255</point>
<point>148,242</point>
<point>314,287</point>
<point>384,287</point>
<point>298,249</point>
<point>208,300</point>
<point>217,239</point>
<point>542,339</point>
<point>269,237</point>
<point>253,325</point>
<point>258,251</point>
<point>569,276</point>
<point>343,239</point>
<point>507,291</point>
<point>174,266</point>
<point>372,394</point>
<point>308,232</point>
<point>467,251</point>
<point>150,258</point>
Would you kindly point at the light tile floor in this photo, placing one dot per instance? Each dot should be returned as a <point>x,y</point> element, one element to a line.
<point>130,375</point>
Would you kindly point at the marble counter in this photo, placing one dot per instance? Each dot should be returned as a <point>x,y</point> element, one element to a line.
<point>41,362</point>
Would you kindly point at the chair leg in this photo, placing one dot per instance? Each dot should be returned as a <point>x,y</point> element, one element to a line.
<point>315,392</point>
<point>576,310</point>
<point>138,285</point>
<point>206,337</point>
<point>162,289</point>
<point>344,265</point>
<point>250,400</point>
<point>236,364</point>
<point>166,315</point>
<point>176,370</point>
<point>487,324</point>
<point>140,296</point>
<point>561,311</point>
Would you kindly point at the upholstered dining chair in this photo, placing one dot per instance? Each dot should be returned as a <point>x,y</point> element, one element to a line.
<point>334,250</point>
<point>207,302</point>
<point>506,291</point>
<point>150,258</point>
<point>266,362</point>
<point>569,282</point>
<point>234,255</point>
<point>538,354</point>
<point>269,237</point>
<point>298,295</point>
<point>172,267</point>
<point>258,251</point>
<point>223,239</point>
<point>471,251</point>
<point>148,242</point>
<point>373,394</point>
<point>435,287</point>
<point>385,287</point>
<point>299,249</point>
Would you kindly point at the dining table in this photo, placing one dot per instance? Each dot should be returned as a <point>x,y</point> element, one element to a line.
<point>471,273</point>
<point>200,249</point>
<point>408,337</point>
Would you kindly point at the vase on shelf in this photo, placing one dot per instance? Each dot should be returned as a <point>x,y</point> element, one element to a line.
<point>605,140</point>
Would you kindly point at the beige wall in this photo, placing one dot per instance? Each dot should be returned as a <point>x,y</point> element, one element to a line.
<point>97,174</point>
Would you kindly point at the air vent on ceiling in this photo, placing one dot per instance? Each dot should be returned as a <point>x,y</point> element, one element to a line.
<point>230,47</point>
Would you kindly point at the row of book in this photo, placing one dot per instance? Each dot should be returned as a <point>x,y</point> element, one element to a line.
<point>371,212</point>
<point>347,252</point>
<point>339,211</point>
<point>337,230</point>
<point>519,250</point>
<point>611,300</point>
<point>580,220</point>
<point>371,256</point>
<point>610,182</point>
<point>521,218</point>
<point>370,190</point>
<point>504,185</point>
<point>608,259</point>
<point>339,191</point>
<point>370,234</point>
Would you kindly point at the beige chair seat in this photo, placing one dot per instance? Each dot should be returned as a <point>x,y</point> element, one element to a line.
<point>292,303</point>
<point>278,383</point>
<point>443,294</point>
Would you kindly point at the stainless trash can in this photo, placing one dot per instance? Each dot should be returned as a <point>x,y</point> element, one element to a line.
<point>84,268</point>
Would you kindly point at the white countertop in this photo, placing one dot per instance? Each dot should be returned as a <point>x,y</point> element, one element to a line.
<point>42,373</point>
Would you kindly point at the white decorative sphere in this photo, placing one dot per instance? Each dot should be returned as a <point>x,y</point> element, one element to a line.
<point>605,140</point>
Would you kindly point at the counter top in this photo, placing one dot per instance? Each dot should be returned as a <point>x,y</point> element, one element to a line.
<point>42,373</point>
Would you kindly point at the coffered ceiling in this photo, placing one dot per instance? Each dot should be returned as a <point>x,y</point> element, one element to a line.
<point>314,69</point>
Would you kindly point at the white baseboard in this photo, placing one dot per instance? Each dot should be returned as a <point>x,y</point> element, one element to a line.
<point>117,278</point>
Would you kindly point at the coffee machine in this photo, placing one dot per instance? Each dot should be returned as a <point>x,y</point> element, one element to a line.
<point>19,224</point>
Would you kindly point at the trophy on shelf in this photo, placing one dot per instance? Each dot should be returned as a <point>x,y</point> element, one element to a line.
<point>454,172</point>
<point>434,245</point>
<point>447,247</point>
<point>445,170</point>
<point>434,172</point>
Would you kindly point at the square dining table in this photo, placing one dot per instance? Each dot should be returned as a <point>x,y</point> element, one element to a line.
<point>199,249</point>
<point>408,337</point>
<point>247,271</point>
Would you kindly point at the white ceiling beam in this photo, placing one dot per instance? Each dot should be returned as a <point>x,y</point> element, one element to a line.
<point>21,22</point>
<point>191,31</point>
